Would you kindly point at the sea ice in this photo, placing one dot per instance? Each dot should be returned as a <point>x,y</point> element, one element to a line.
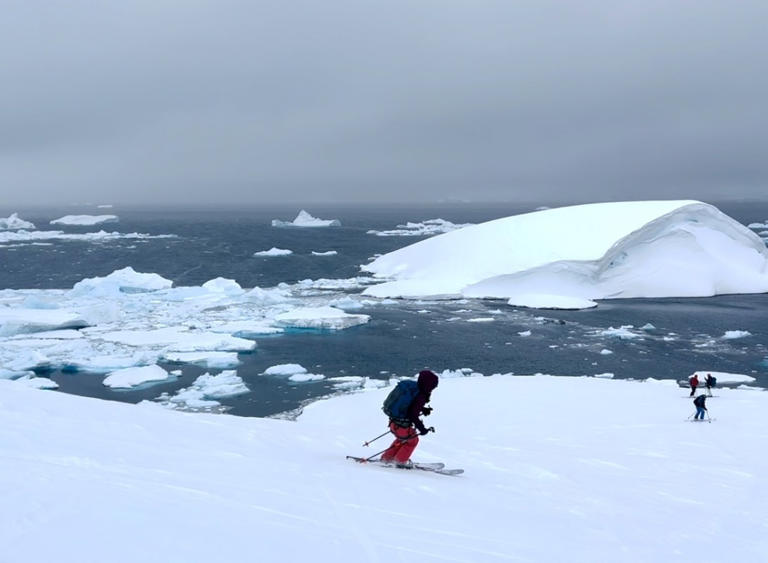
<point>210,360</point>
<point>326,253</point>
<point>14,223</point>
<point>133,377</point>
<point>34,382</point>
<point>544,301</point>
<point>305,377</point>
<point>202,394</point>
<point>429,227</point>
<point>304,219</point>
<point>126,280</point>
<point>24,321</point>
<point>85,220</point>
<point>285,369</point>
<point>732,334</point>
<point>319,318</point>
<point>622,332</point>
<point>274,251</point>
<point>178,339</point>
<point>223,285</point>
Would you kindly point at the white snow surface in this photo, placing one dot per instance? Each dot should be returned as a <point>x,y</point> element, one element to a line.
<point>593,251</point>
<point>85,220</point>
<point>106,481</point>
<point>274,251</point>
<point>304,219</point>
<point>14,223</point>
<point>133,377</point>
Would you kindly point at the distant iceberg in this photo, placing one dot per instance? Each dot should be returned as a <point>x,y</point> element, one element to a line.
<point>304,219</point>
<point>274,251</point>
<point>14,223</point>
<point>594,251</point>
<point>85,220</point>
<point>126,280</point>
<point>429,227</point>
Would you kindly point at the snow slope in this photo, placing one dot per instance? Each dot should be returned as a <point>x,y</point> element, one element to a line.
<point>594,251</point>
<point>557,469</point>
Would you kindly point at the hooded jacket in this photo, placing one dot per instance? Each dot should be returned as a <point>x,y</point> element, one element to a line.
<point>427,382</point>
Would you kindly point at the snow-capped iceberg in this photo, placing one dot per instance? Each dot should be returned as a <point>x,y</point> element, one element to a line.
<point>14,223</point>
<point>594,251</point>
<point>304,219</point>
<point>85,220</point>
<point>126,280</point>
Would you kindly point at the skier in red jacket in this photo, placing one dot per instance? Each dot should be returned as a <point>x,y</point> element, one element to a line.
<point>694,381</point>
<point>406,437</point>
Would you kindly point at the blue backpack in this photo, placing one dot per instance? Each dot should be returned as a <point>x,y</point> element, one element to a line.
<point>399,399</point>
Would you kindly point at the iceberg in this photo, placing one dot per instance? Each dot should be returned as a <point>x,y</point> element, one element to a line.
<point>224,286</point>
<point>274,251</point>
<point>85,220</point>
<point>304,219</point>
<point>588,252</point>
<point>319,318</point>
<point>429,227</point>
<point>326,253</point>
<point>285,369</point>
<point>210,360</point>
<point>126,280</point>
<point>14,223</point>
<point>133,377</point>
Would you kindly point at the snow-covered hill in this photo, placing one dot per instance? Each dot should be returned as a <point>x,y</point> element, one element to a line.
<point>557,469</point>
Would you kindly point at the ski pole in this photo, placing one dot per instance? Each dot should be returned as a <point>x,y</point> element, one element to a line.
<point>690,415</point>
<point>368,443</point>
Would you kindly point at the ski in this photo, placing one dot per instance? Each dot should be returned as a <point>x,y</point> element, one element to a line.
<point>436,467</point>
<point>700,419</point>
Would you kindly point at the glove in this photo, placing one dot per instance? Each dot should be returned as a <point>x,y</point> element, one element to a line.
<point>426,410</point>
<point>427,430</point>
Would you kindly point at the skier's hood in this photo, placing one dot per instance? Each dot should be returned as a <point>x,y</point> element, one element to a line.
<point>427,381</point>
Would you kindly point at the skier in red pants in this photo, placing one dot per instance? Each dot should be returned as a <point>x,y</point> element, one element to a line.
<point>404,420</point>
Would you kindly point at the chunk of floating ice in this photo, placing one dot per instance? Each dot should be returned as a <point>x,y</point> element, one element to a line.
<point>202,394</point>
<point>37,382</point>
<point>14,223</point>
<point>607,375</point>
<point>126,280</point>
<point>546,301</point>
<point>177,339</point>
<point>622,332</point>
<point>85,220</point>
<point>304,219</point>
<point>320,318</point>
<point>326,253</point>
<point>133,377</point>
<point>24,321</point>
<point>304,377</point>
<point>211,360</point>
<point>426,228</point>
<point>732,334</point>
<point>274,251</point>
<point>285,369</point>
<point>223,285</point>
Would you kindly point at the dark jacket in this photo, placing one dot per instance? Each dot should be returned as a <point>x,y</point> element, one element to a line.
<point>427,382</point>
<point>700,401</point>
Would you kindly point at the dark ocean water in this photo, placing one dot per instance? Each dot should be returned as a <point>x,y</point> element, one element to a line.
<point>400,339</point>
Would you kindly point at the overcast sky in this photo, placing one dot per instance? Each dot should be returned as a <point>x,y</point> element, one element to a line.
<point>352,100</point>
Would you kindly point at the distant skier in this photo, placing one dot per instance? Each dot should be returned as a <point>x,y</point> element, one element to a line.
<point>710,383</point>
<point>694,382</point>
<point>701,406</point>
<point>404,405</point>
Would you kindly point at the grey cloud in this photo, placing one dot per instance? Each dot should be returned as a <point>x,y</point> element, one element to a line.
<point>358,100</point>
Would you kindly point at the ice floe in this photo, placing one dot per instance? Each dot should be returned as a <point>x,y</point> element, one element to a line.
<point>594,251</point>
<point>732,334</point>
<point>274,251</point>
<point>304,219</point>
<point>326,253</point>
<point>319,318</point>
<point>29,237</point>
<point>126,280</point>
<point>285,369</point>
<point>204,392</point>
<point>134,377</point>
<point>210,359</point>
<point>429,227</point>
<point>14,223</point>
<point>85,220</point>
<point>15,321</point>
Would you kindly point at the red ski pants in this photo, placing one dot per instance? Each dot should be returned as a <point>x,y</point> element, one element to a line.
<point>406,440</point>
